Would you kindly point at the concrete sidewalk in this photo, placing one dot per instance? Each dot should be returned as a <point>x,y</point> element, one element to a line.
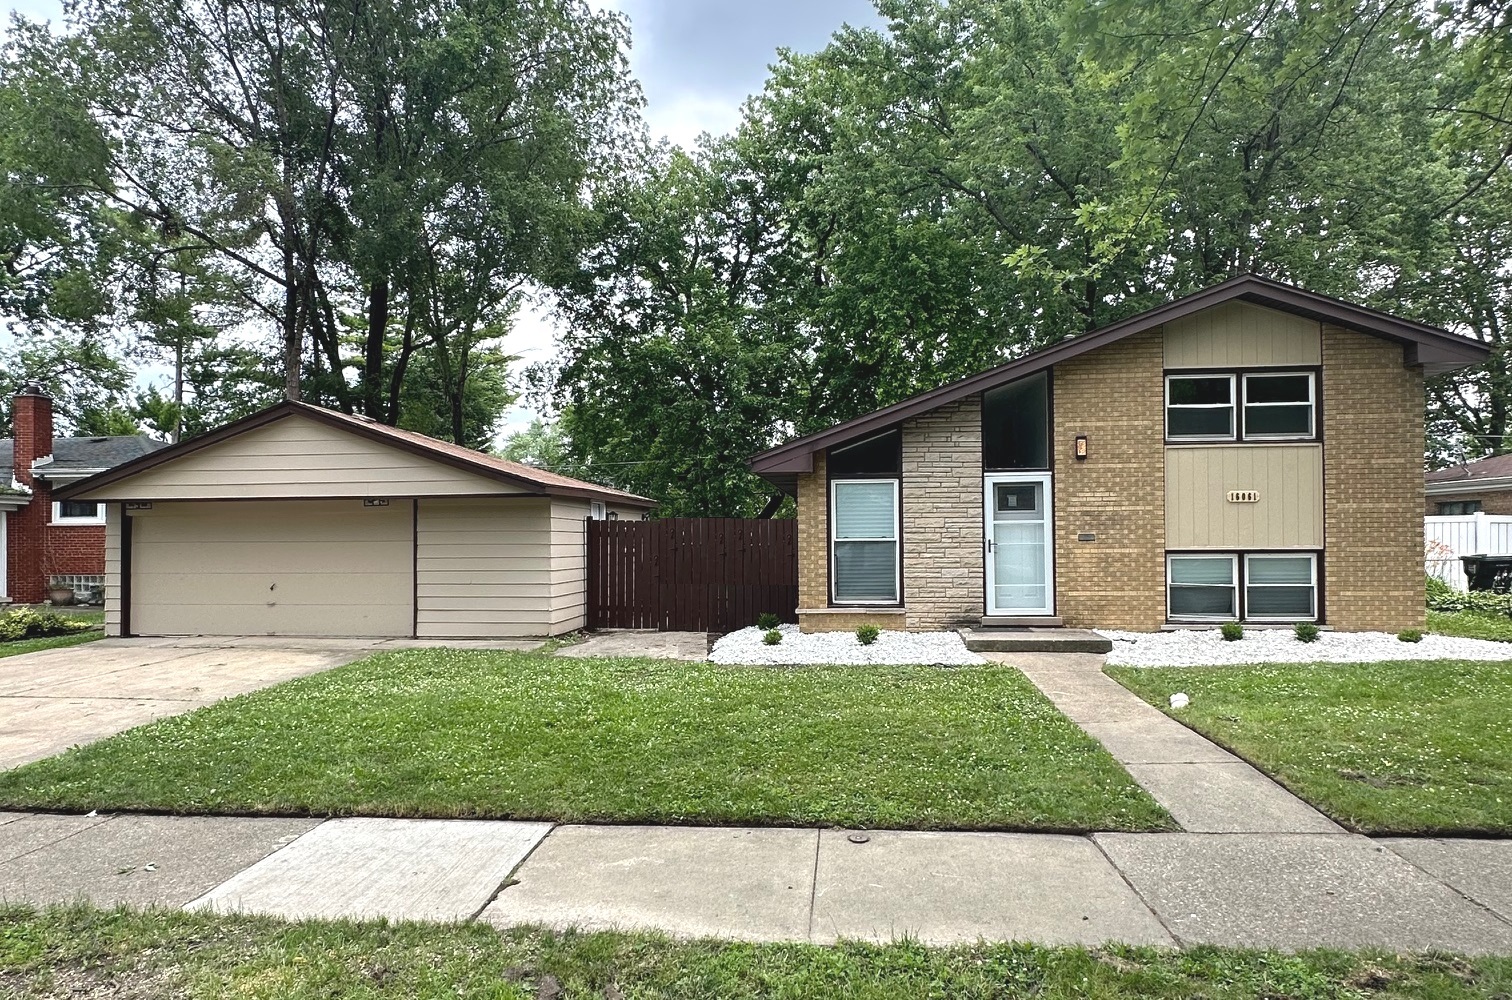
<point>1205,788</point>
<point>1284,891</point>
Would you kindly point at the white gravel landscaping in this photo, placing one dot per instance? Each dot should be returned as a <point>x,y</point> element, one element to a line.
<point>932,648</point>
<point>1207,647</point>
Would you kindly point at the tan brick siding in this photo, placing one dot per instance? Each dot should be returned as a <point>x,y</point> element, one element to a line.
<point>1372,484</point>
<point>1492,501</point>
<point>943,583</point>
<point>849,620</point>
<point>1115,396</point>
<point>813,537</point>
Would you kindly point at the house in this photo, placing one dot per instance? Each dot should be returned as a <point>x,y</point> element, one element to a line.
<point>1253,452</point>
<point>1470,488</point>
<point>46,542</point>
<point>299,520</point>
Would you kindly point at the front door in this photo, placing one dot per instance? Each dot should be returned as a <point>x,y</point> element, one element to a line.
<point>1020,577</point>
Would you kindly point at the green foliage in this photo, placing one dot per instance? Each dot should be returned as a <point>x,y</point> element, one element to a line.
<point>766,621</point>
<point>544,446</point>
<point>772,637</point>
<point>1410,635</point>
<point>28,623</point>
<point>1471,624</point>
<point>867,634</point>
<point>1485,601</point>
<point>1232,631</point>
<point>1306,631</point>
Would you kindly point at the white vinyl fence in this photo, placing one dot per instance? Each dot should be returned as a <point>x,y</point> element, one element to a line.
<point>1447,538</point>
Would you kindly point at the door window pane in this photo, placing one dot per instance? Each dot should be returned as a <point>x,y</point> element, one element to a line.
<point>1016,425</point>
<point>1016,498</point>
<point>865,542</point>
<point>1200,406</point>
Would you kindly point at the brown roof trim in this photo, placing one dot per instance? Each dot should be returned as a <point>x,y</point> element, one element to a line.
<point>455,456</point>
<point>1437,350</point>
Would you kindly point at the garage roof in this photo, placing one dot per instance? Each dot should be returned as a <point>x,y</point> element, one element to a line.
<point>514,474</point>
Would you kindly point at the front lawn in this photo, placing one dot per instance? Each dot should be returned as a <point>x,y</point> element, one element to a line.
<point>1471,624</point>
<point>86,952</point>
<point>454,733</point>
<point>1405,747</point>
<point>50,642</point>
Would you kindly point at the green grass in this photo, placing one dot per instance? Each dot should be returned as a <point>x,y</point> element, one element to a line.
<point>1404,747</point>
<point>20,646</point>
<point>454,733</point>
<point>1471,624</point>
<point>80,951</point>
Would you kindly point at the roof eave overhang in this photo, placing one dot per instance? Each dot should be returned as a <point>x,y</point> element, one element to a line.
<point>1487,483</point>
<point>1436,350</point>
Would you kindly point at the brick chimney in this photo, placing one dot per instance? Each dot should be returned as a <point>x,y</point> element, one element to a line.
<point>32,420</point>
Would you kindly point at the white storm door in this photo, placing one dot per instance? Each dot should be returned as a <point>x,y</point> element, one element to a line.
<point>1020,575</point>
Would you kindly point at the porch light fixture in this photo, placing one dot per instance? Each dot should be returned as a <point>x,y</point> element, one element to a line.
<point>1081,447</point>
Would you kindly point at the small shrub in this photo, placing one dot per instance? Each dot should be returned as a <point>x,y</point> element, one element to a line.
<point>1442,597</point>
<point>1410,635</point>
<point>867,634</point>
<point>766,621</point>
<point>25,623</point>
<point>772,637</point>
<point>1232,631</point>
<point>1306,631</point>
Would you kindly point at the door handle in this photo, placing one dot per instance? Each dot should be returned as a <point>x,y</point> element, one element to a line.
<point>989,545</point>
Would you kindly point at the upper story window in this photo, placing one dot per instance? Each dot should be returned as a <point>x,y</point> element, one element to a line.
<point>1243,406</point>
<point>78,512</point>
<point>1016,424</point>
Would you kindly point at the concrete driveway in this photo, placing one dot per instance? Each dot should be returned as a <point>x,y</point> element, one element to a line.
<point>58,698</point>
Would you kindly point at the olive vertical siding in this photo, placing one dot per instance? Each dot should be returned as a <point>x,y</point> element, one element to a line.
<point>114,512</point>
<point>1240,335</point>
<point>484,567</point>
<point>1289,513</point>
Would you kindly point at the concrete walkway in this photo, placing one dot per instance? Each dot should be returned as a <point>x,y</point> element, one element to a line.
<point>641,642</point>
<point>54,699</point>
<point>1288,891</point>
<point>1205,788</point>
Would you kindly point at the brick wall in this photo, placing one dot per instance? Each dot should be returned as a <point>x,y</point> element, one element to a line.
<point>1372,484</point>
<point>1492,501</point>
<point>942,517</point>
<point>38,549</point>
<point>1115,396</point>
<point>813,537</point>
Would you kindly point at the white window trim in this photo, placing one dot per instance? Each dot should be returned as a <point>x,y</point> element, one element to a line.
<point>896,539</point>
<point>596,510</point>
<point>1233,559</point>
<point>59,519</point>
<point>1312,561</point>
<point>1232,406</point>
<point>1312,407</point>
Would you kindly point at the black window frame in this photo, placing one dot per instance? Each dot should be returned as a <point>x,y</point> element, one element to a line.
<point>1441,504</point>
<point>1240,559</point>
<point>1048,375</point>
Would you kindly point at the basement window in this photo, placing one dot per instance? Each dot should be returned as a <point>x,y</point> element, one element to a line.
<point>77,512</point>
<point>1202,588</point>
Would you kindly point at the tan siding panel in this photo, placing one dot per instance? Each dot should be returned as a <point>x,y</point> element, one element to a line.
<point>1289,514</point>
<point>113,515</point>
<point>274,568</point>
<point>483,568</point>
<point>1239,335</point>
<point>569,563</point>
<point>296,457</point>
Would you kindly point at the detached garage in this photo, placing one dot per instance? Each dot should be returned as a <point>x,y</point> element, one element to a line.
<point>306,522</point>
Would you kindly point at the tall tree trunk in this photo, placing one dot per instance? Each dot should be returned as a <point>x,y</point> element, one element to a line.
<point>372,353</point>
<point>293,349</point>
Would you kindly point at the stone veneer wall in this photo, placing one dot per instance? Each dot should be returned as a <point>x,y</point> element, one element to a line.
<point>1372,484</point>
<point>1115,396</point>
<point>943,533</point>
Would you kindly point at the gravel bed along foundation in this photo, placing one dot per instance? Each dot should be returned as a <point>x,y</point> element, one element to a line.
<point>1207,647</point>
<point>747,647</point>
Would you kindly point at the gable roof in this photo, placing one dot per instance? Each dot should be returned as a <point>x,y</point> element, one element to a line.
<point>80,454</point>
<point>1437,350</point>
<point>1497,467</point>
<point>513,473</point>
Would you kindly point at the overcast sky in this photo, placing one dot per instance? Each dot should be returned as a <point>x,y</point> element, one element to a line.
<point>697,60</point>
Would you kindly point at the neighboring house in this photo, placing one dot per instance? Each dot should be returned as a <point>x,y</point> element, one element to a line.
<point>302,521</point>
<point>1253,451</point>
<point>1471,488</point>
<point>45,542</point>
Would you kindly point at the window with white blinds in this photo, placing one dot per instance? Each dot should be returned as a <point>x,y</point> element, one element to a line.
<point>864,541</point>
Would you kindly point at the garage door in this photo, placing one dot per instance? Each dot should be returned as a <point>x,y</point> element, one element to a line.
<point>291,567</point>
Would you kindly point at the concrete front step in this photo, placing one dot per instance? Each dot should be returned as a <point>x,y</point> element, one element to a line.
<point>1034,640</point>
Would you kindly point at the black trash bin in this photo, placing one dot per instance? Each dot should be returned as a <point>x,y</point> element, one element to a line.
<point>1485,572</point>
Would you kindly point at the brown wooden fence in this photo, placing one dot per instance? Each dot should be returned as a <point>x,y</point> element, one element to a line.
<point>691,574</point>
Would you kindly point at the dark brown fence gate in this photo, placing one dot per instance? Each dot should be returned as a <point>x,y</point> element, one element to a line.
<point>691,574</point>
